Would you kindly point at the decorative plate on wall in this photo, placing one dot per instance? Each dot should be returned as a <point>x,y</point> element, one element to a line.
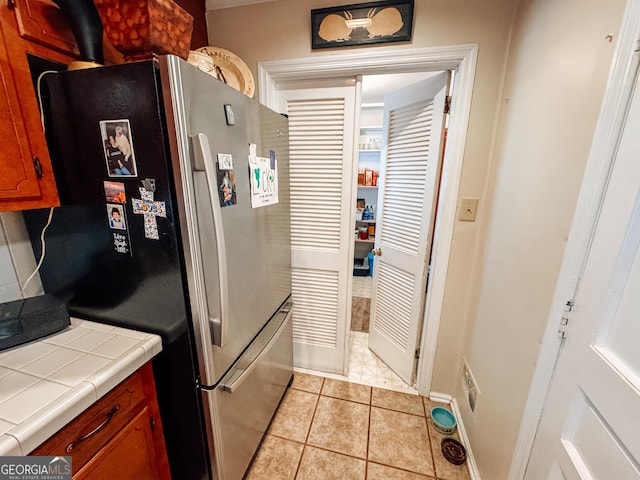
<point>230,69</point>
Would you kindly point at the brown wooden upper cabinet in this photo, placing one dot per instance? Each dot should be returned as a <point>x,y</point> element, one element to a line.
<point>30,28</point>
<point>36,29</point>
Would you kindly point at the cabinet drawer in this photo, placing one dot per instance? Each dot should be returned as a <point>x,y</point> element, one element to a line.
<point>130,454</point>
<point>83,437</point>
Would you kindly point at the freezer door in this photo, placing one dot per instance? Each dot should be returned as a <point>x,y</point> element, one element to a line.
<point>244,402</point>
<point>238,257</point>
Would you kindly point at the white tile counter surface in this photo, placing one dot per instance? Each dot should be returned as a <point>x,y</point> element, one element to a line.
<point>47,383</point>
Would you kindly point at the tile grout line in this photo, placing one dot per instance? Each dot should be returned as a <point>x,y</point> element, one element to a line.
<point>306,438</point>
<point>370,405</point>
<point>366,462</point>
<point>433,453</point>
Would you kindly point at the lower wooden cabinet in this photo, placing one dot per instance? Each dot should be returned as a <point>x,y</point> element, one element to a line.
<point>120,436</point>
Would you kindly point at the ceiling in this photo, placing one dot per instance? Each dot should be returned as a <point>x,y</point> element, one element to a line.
<point>217,4</point>
<point>374,87</point>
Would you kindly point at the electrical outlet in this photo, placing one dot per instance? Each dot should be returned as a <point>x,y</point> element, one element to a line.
<point>469,385</point>
<point>468,209</point>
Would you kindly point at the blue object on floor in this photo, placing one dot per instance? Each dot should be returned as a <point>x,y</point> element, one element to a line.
<point>443,420</point>
<point>370,257</point>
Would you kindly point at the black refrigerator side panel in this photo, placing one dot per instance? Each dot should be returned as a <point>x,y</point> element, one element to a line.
<point>125,269</point>
<point>112,252</point>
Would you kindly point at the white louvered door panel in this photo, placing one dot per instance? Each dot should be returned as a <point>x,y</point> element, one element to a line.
<point>321,133</point>
<point>413,132</point>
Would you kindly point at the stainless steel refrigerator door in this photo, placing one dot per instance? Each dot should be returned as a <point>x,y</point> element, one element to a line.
<point>245,400</point>
<point>238,258</point>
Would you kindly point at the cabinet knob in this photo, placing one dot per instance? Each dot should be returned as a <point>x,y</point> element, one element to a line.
<point>37,166</point>
<point>376,252</point>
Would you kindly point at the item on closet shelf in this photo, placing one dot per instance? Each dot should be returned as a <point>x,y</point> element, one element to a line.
<point>363,233</point>
<point>359,212</point>
<point>361,267</point>
<point>374,179</point>
<point>371,230</point>
<point>360,177</point>
<point>368,177</point>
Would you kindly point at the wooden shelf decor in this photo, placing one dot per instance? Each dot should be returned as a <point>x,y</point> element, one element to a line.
<point>141,29</point>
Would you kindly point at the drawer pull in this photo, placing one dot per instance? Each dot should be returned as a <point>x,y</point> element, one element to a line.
<point>110,415</point>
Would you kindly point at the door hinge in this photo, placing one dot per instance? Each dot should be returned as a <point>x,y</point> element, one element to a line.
<point>564,320</point>
<point>447,104</point>
<point>417,353</point>
<point>37,166</point>
<point>152,422</point>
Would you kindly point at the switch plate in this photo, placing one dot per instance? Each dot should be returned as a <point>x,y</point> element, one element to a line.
<point>468,209</point>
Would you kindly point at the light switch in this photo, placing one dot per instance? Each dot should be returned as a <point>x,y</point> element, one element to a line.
<point>468,209</point>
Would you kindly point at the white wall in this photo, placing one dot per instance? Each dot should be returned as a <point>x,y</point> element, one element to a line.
<point>504,266</point>
<point>280,30</point>
<point>557,70</point>
<point>16,259</point>
<point>526,150</point>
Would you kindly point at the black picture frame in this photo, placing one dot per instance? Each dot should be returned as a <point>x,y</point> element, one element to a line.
<point>362,24</point>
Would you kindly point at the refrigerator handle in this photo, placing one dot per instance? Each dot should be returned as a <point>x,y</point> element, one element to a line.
<point>239,377</point>
<point>204,162</point>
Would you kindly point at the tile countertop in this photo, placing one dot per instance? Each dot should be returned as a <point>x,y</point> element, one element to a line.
<point>47,383</point>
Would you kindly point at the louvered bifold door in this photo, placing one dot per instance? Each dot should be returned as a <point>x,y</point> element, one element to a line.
<point>321,133</point>
<point>413,132</point>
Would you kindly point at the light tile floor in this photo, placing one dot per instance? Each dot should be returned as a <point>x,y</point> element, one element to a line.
<point>364,366</point>
<point>361,286</point>
<point>327,429</point>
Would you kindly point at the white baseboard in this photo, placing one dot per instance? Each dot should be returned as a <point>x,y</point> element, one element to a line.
<point>471,462</point>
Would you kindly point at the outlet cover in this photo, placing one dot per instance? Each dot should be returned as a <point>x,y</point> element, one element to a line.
<point>470,386</point>
<point>468,209</point>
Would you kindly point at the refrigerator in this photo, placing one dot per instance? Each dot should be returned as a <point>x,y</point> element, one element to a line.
<point>175,220</point>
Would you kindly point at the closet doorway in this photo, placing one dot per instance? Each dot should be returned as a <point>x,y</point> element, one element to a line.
<point>275,77</point>
<point>402,141</point>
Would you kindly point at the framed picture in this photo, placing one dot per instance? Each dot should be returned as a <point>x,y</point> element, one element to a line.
<point>118,148</point>
<point>362,24</point>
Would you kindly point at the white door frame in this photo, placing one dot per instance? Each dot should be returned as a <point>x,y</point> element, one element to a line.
<point>607,133</point>
<point>460,58</point>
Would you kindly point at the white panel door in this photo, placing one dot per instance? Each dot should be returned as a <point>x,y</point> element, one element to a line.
<point>413,130</point>
<point>591,421</point>
<point>321,130</point>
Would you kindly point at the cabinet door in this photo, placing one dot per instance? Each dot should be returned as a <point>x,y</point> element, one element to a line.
<point>40,21</point>
<point>130,454</point>
<point>18,178</point>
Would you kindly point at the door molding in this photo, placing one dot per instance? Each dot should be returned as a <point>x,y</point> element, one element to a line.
<point>460,58</point>
<point>607,134</point>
